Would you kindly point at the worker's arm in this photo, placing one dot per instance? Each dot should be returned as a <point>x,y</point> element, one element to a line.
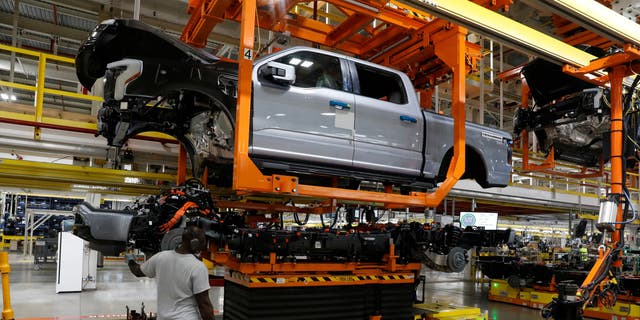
<point>135,269</point>
<point>204,305</point>
<point>133,265</point>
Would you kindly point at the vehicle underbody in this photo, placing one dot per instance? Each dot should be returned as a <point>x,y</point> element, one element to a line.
<point>569,115</point>
<point>156,223</point>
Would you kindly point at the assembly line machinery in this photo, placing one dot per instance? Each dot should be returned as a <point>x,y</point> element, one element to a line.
<point>370,273</point>
<point>602,280</point>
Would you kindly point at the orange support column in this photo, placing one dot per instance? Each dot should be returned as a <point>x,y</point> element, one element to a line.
<point>451,49</point>
<point>616,75</point>
<point>246,176</point>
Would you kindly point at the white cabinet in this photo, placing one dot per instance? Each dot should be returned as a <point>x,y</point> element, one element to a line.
<point>77,264</point>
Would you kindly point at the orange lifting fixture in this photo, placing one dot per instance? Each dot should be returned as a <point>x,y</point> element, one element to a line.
<point>248,178</point>
<point>431,48</point>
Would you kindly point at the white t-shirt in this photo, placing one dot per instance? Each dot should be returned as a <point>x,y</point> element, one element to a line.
<point>179,277</point>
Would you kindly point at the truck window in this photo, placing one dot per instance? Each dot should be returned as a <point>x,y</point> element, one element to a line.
<point>380,84</point>
<point>315,70</point>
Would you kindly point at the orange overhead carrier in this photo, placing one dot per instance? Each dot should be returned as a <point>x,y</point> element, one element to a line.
<point>247,178</point>
<point>372,30</point>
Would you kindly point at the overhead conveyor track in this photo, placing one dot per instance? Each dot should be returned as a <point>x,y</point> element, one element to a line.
<point>498,27</point>
<point>596,18</point>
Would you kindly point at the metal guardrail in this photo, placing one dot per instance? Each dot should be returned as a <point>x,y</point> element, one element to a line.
<point>588,187</point>
<point>39,88</point>
<point>38,120</point>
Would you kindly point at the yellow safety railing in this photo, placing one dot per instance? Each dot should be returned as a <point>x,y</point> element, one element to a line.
<point>40,90</point>
<point>39,87</point>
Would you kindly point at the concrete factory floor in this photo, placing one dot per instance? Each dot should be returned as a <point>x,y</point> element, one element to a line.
<point>33,294</point>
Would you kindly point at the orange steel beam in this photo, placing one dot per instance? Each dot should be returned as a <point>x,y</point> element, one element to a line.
<point>347,28</point>
<point>391,35</point>
<point>452,51</point>
<point>382,13</point>
<point>205,14</point>
<point>584,172</point>
<point>510,74</point>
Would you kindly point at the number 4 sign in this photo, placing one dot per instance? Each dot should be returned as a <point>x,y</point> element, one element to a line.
<point>248,54</point>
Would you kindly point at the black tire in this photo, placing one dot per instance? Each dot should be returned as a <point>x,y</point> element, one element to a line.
<point>171,239</point>
<point>457,259</point>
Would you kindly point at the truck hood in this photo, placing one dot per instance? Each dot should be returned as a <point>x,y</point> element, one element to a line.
<point>115,39</point>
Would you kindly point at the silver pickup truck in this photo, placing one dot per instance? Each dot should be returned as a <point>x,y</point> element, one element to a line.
<point>315,113</point>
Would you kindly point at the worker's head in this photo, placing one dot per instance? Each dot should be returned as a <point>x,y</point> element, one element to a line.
<point>193,239</point>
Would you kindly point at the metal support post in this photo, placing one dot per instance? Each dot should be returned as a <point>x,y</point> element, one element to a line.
<point>27,222</point>
<point>136,10</point>
<point>42,63</point>
<point>33,227</point>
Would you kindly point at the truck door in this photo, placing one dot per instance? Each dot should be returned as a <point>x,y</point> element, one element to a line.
<point>308,120</point>
<point>389,123</point>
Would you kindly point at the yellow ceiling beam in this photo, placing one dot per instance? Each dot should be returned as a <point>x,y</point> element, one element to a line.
<point>39,187</point>
<point>500,28</point>
<point>597,18</point>
<point>53,176</point>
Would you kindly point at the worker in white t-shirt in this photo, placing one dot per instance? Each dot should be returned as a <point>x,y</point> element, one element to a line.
<point>183,280</point>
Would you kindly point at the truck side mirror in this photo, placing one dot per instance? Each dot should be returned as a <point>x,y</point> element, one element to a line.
<point>279,72</point>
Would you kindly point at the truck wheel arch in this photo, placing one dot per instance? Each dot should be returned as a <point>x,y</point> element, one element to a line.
<point>216,100</point>
<point>475,166</point>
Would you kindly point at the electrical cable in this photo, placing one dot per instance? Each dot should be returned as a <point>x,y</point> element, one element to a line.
<point>335,219</point>
<point>301,222</point>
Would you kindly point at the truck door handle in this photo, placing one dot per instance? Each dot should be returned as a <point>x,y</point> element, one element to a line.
<point>406,118</point>
<point>339,105</point>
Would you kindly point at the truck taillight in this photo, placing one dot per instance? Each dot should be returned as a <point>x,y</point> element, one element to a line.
<point>509,142</point>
